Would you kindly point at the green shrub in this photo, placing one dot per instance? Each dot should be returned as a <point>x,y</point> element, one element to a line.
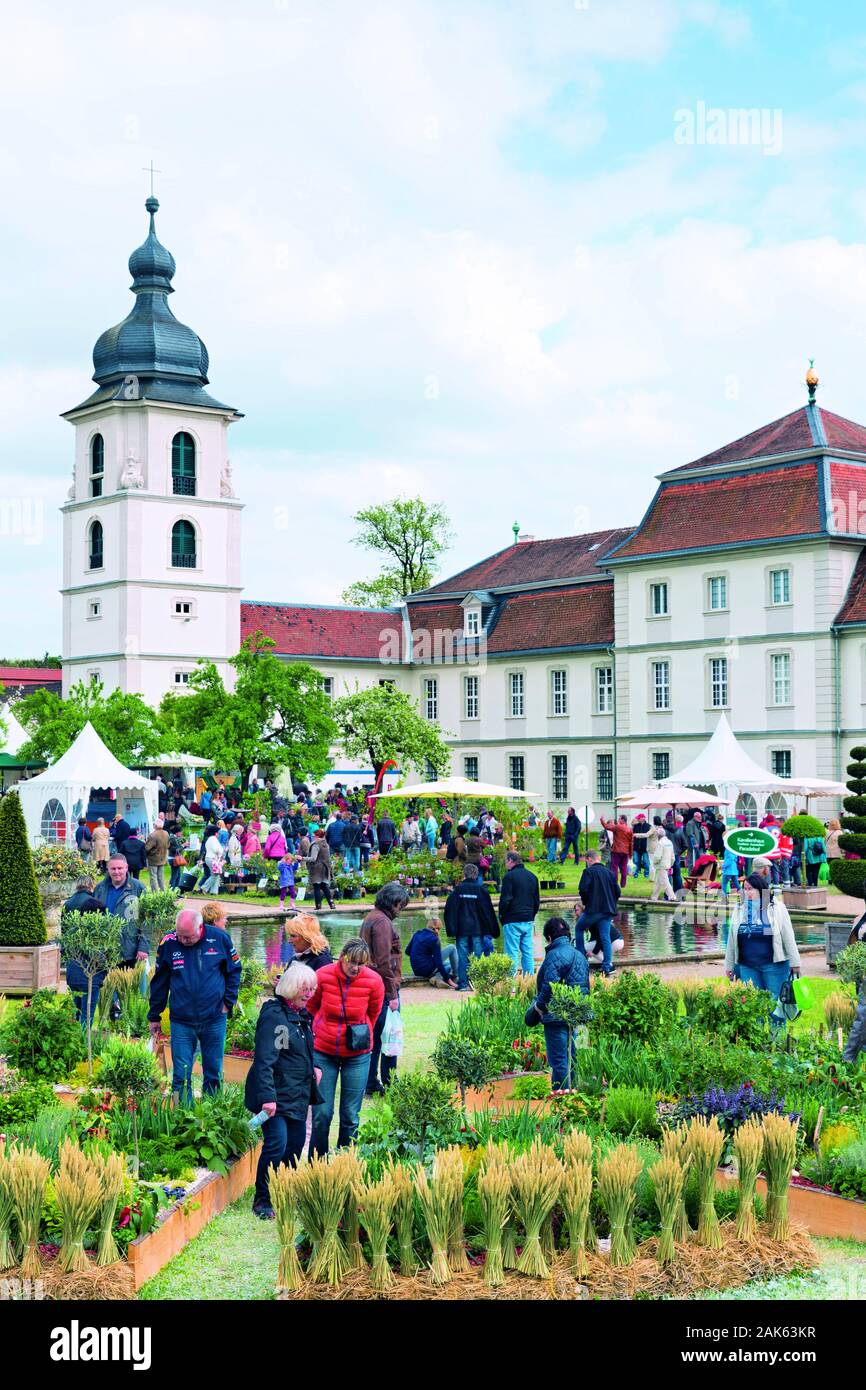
<point>851,964</point>
<point>24,1101</point>
<point>532,1085</point>
<point>43,1037</point>
<point>638,1007</point>
<point>735,1012</point>
<point>58,864</point>
<point>629,1110</point>
<point>849,876</point>
<point>803,827</point>
<point>489,974</point>
<point>423,1108</point>
<point>465,1062</point>
<point>22,921</point>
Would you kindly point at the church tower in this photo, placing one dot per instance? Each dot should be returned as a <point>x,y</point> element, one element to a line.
<point>151,527</point>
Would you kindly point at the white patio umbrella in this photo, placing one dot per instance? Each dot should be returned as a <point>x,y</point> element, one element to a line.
<point>458,786</point>
<point>669,794</point>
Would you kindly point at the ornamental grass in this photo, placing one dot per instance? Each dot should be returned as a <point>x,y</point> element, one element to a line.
<point>780,1151</point>
<point>78,1191</point>
<point>352,1169</point>
<point>322,1196</point>
<point>704,1144</point>
<point>494,1196</point>
<point>7,1209</point>
<point>749,1150</point>
<point>576,1197</point>
<point>618,1173</point>
<point>536,1177</point>
<point>28,1174</point>
<point>400,1176</point>
<point>839,1010</point>
<point>377,1211</point>
<point>674,1145</point>
<point>284,1184</point>
<point>435,1200</point>
<point>449,1164</point>
<point>110,1168</point>
<point>689,989</point>
<point>668,1179</point>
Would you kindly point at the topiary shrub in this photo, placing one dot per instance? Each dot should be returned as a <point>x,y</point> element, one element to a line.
<point>22,921</point>
<point>803,827</point>
<point>848,875</point>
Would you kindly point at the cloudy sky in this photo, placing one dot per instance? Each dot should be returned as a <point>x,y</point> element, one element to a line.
<point>470,249</point>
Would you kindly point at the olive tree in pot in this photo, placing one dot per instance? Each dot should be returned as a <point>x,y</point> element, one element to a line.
<point>91,940</point>
<point>27,961</point>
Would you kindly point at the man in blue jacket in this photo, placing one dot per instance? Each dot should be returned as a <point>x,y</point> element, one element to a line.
<point>198,971</point>
<point>563,964</point>
<point>599,893</point>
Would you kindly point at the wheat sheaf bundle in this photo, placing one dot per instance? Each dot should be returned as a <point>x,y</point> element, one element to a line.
<point>839,1010</point>
<point>675,1145</point>
<point>400,1176</point>
<point>536,1177</point>
<point>667,1178</point>
<point>28,1174</point>
<point>448,1165</point>
<point>494,1195</point>
<point>435,1202</point>
<point>704,1144</point>
<point>322,1196</point>
<point>780,1152</point>
<point>576,1197</point>
<point>78,1189</point>
<point>7,1210</point>
<point>618,1173</point>
<point>377,1211</point>
<point>111,1171</point>
<point>284,1186</point>
<point>352,1171</point>
<point>749,1150</point>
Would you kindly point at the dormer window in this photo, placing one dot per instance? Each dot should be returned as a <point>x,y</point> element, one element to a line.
<point>473,622</point>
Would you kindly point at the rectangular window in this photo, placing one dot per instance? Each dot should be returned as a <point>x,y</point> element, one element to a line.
<point>94,609</point>
<point>717,593</point>
<point>429,771</point>
<point>559,692</point>
<point>780,586</point>
<point>431,698</point>
<point>473,622</point>
<point>604,690</point>
<point>658,600</point>
<point>183,608</point>
<point>604,777</point>
<point>328,686</point>
<point>470,768</point>
<point>780,762</point>
<point>559,776</point>
<point>516,772</point>
<point>661,765</point>
<point>389,683</point>
<point>470,697</point>
<point>661,680</point>
<point>93,676</point>
<point>181,677</point>
<point>780,666</point>
<point>515,692</point>
<point>719,682</point>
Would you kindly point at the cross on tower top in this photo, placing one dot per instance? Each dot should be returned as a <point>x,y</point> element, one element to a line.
<point>149,169</point>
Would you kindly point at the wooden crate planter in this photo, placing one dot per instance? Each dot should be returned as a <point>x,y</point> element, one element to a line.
<point>25,969</point>
<point>499,1095</point>
<point>235,1069</point>
<point>806,899</point>
<point>147,1255</point>
<point>822,1213</point>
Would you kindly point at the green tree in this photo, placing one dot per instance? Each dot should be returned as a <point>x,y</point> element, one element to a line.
<point>411,534</point>
<point>382,722</point>
<point>126,725</point>
<point>92,941</point>
<point>278,714</point>
<point>22,920</point>
<point>849,875</point>
<point>131,1073</point>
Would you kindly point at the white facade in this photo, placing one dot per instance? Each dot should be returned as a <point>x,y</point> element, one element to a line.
<point>139,621</point>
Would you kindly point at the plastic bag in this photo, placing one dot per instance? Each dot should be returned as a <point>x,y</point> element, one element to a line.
<point>392,1034</point>
<point>824,873</point>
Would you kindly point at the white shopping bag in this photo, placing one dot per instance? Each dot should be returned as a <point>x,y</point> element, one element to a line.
<point>392,1034</point>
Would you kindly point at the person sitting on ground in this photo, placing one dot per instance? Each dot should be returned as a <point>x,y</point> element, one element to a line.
<point>428,958</point>
<point>282,1079</point>
<point>593,947</point>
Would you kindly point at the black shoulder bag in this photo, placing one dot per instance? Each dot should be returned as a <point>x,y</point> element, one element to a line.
<point>357,1034</point>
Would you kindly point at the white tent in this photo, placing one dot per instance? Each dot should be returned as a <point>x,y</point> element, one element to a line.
<point>177,760</point>
<point>15,737</point>
<point>458,786</point>
<point>723,762</point>
<point>53,801</point>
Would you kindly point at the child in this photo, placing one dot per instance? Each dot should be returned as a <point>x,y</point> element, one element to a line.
<point>730,871</point>
<point>287,877</point>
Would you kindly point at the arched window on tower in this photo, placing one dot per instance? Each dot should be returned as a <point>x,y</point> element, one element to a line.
<point>97,465</point>
<point>95,546</point>
<point>183,465</point>
<point>183,545</point>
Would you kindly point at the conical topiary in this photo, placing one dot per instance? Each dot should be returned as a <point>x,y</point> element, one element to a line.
<point>848,874</point>
<point>22,920</point>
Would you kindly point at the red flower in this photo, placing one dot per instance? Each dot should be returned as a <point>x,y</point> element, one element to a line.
<point>124,1217</point>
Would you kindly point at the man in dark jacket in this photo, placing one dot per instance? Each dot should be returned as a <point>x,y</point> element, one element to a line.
<point>82,900</point>
<point>387,832</point>
<point>120,830</point>
<point>469,917</point>
<point>563,964</point>
<point>519,901</point>
<point>134,852</point>
<point>571,836</point>
<point>198,973</point>
<point>599,893</point>
<point>334,835</point>
<point>118,893</point>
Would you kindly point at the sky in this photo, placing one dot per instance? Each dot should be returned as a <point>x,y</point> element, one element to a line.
<point>514,256</point>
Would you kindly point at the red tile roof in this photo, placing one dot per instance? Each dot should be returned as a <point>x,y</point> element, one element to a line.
<point>790,434</point>
<point>722,511</point>
<point>853,610</point>
<point>531,562</point>
<point>35,676</point>
<point>846,505</point>
<point>298,630</point>
<point>570,617</point>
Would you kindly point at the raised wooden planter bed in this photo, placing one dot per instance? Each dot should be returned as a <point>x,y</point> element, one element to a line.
<point>234,1068</point>
<point>807,899</point>
<point>822,1213</point>
<point>499,1094</point>
<point>24,969</point>
<point>186,1219</point>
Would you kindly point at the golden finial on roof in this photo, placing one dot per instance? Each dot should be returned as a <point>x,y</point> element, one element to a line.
<point>812,380</point>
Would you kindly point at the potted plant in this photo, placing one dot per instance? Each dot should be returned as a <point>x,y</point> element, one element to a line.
<point>57,869</point>
<point>92,941</point>
<point>28,962</point>
<point>803,830</point>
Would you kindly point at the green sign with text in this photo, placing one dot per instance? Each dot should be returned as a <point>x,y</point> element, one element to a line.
<point>748,842</point>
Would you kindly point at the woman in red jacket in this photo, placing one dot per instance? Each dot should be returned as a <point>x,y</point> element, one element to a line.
<point>345,1007</point>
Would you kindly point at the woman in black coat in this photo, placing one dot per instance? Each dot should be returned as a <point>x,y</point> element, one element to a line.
<point>282,1079</point>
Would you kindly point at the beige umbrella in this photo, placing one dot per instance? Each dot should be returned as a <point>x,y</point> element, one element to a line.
<point>670,794</point>
<point>458,786</point>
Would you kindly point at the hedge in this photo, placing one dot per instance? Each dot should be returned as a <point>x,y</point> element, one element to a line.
<point>849,876</point>
<point>22,920</point>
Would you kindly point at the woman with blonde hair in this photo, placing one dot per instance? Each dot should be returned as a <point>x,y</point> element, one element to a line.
<point>305,937</point>
<point>832,840</point>
<point>283,1080</point>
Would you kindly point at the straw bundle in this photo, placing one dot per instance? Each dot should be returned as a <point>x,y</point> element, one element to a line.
<point>377,1211</point>
<point>839,1010</point>
<point>435,1200</point>
<point>704,1144</point>
<point>780,1151</point>
<point>7,1208</point>
<point>352,1170</point>
<point>448,1164</point>
<point>322,1193</point>
<point>78,1189</point>
<point>400,1176</point>
<point>618,1173</point>
<point>28,1174</point>
<point>749,1149</point>
<point>667,1178</point>
<point>576,1197</point>
<point>536,1179</point>
<point>499,1152</point>
<point>111,1171</point>
<point>494,1194</point>
<point>284,1185</point>
<point>577,1147</point>
<point>674,1145</point>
